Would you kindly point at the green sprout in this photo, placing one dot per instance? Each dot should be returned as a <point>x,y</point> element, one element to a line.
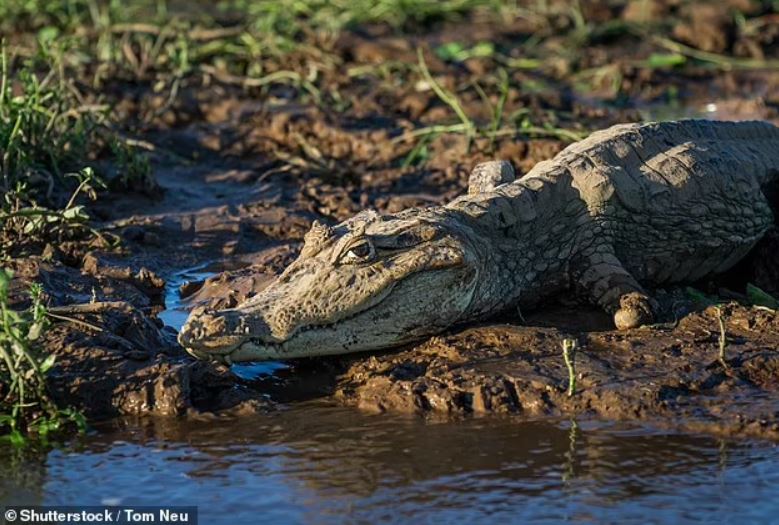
<point>569,355</point>
<point>723,340</point>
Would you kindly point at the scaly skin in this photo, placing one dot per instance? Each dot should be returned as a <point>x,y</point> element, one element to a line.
<point>631,206</point>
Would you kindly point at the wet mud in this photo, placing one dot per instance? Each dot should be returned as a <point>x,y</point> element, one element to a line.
<point>244,170</point>
<point>670,375</point>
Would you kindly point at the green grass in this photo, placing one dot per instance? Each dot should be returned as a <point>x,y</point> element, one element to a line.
<point>32,15</point>
<point>46,135</point>
<point>234,34</point>
<point>519,123</point>
<point>45,129</point>
<point>26,407</point>
<point>50,138</point>
<point>145,35</point>
<point>291,18</point>
<point>245,41</point>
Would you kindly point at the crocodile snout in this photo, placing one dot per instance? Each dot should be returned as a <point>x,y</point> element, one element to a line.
<point>211,331</point>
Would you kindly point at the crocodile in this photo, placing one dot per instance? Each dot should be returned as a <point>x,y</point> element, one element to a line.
<point>629,208</point>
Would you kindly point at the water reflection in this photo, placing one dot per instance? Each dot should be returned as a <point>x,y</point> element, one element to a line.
<point>317,463</point>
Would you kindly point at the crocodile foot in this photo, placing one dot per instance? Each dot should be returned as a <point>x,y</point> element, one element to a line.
<point>635,309</point>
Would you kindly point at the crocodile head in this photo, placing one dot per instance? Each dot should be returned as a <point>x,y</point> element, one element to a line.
<point>368,283</point>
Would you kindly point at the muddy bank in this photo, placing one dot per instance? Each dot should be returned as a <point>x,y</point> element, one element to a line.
<point>114,356</point>
<point>669,376</point>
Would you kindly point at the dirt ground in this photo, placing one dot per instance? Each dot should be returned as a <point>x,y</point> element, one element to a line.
<point>245,170</point>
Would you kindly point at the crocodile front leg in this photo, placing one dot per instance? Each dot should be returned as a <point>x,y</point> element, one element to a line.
<point>615,290</point>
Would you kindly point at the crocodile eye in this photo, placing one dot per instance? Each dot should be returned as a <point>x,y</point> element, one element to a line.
<point>360,252</point>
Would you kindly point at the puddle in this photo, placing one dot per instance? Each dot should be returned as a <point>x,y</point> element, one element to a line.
<point>177,309</point>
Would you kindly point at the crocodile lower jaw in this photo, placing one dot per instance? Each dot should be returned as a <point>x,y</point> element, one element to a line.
<point>249,350</point>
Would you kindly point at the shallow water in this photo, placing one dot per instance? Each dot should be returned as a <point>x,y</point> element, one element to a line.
<point>319,464</point>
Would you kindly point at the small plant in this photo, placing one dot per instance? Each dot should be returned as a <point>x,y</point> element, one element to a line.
<point>25,403</point>
<point>569,355</point>
<point>723,340</point>
<point>23,220</point>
